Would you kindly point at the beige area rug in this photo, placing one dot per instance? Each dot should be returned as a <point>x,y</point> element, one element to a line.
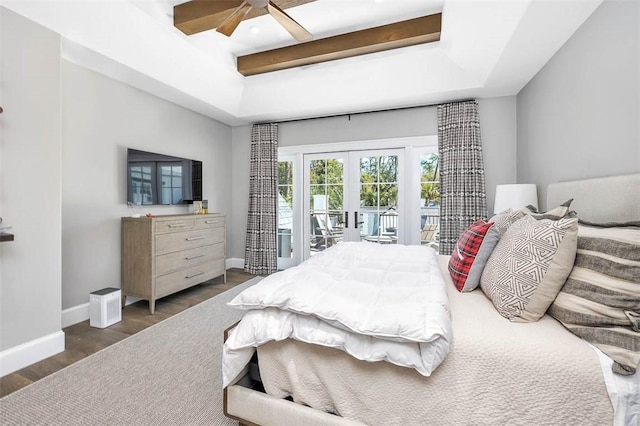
<point>167,374</point>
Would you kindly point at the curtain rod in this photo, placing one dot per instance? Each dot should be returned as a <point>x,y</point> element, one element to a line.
<point>349,114</point>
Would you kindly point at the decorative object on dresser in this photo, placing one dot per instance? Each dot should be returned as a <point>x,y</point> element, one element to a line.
<point>165,254</point>
<point>5,236</point>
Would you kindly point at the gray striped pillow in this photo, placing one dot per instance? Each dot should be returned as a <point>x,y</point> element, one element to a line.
<point>556,213</point>
<point>600,302</point>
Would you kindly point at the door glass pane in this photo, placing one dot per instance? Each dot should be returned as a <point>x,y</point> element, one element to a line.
<point>379,199</point>
<point>368,169</point>
<point>317,172</point>
<point>430,199</point>
<point>389,169</point>
<point>326,179</point>
<point>285,209</point>
<point>335,195</point>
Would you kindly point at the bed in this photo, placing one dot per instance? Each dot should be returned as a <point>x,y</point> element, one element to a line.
<point>487,370</point>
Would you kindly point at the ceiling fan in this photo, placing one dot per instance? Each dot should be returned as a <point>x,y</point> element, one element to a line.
<point>296,30</point>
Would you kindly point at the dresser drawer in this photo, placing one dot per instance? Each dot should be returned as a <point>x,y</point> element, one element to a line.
<point>168,243</point>
<point>173,261</point>
<point>179,280</point>
<point>209,222</point>
<point>177,225</point>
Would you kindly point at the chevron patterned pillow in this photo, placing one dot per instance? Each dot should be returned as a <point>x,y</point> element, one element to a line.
<point>529,266</point>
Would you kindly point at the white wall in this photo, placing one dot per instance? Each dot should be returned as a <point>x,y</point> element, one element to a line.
<point>579,117</point>
<point>101,119</point>
<point>30,187</point>
<point>497,126</point>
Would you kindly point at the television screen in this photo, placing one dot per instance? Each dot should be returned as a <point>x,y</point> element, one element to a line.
<point>162,179</point>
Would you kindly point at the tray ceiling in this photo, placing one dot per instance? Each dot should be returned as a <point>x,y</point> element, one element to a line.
<point>487,48</point>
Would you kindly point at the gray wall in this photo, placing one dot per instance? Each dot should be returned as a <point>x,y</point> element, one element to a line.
<point>101,118</point>
<point>30,181</point>
<point>64,133</point>
<point>579,116</point>
<point>498,129</point>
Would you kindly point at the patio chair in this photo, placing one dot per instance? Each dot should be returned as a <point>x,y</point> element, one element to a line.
<point>429,234</point>
<point>322,233</point>
<point>385,229</point>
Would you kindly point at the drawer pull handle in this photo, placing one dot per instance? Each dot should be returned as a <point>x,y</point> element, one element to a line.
<point>194,257</point>
<point>194,275</point>
<point>195,238</point>
<point>177,225</point>
<point>210,221</point>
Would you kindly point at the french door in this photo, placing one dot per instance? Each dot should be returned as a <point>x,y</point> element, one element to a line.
<point>353,196</point>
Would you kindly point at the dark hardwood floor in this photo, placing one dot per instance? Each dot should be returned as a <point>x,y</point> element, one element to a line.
<point>81,340</point>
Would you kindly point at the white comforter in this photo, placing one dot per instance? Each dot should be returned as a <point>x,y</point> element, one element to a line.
<point>375,302</point>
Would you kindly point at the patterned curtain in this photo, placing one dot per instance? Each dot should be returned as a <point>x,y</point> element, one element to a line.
<point>261,255</point>
<point>462,191</point>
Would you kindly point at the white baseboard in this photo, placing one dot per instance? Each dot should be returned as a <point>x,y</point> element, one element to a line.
<point>23,355</point>
<point>235,263</point>
<point>79,313</point>
<point>75,315</point>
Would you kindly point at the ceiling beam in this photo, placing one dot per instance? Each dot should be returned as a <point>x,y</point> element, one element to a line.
<point>201,15</point>
<point>400,34</point>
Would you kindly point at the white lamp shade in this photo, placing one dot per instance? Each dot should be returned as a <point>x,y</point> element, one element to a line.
<point>515,196</point>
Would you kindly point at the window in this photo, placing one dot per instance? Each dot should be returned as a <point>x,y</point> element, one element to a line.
<point>285,209</point>
<point>326,190</point>
<point>337,186</point>
<point>430,198</point>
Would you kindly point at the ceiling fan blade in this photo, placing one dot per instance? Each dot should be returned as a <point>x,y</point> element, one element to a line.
<point>231,23</point>
<point>289,24</point>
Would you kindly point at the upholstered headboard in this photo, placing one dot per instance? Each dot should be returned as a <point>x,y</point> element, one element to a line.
<point>606,199</point>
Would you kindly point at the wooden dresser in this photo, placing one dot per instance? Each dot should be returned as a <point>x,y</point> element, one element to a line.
<point>165,254</point>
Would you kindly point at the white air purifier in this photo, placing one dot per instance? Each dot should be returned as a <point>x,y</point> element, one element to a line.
<point>104,307</point>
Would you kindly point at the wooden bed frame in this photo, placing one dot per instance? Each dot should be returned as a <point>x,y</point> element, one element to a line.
<point>607,199</point>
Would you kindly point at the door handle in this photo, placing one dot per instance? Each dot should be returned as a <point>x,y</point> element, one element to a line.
<point>355,219</point>
<point>346,220</point>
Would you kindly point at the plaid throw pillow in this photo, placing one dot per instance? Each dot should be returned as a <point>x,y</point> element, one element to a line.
<point>470,254</point>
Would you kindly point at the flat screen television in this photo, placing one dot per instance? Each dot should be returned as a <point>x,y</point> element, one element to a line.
<point>158,179</point>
